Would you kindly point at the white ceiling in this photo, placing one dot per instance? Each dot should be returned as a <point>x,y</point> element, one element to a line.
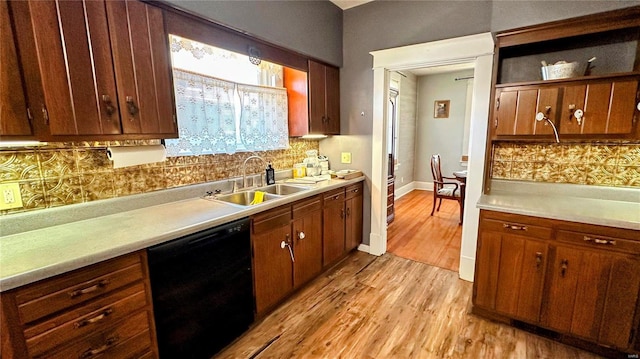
<point>348,4</point>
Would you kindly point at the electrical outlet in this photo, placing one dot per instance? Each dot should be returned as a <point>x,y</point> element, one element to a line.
<point>11,197</point>
<point>345,157</point>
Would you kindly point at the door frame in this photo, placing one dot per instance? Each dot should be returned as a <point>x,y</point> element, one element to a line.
<point>477,49</point>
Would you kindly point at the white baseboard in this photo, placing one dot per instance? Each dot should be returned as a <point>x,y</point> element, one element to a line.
<point>423,186</point>
<point>364,248</point>
<point>467,267</point>
<point>420,186</point>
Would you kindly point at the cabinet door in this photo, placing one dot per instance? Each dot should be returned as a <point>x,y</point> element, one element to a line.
<point>272,267</point>
<point>74,62</point>
<point>142,68</point>
<point>333,232</point>
<point>521,277</point>
<point>317,100</point>
<point>13,106</point>
<point>332,98</point>
<point>608,107</point>
<point>353,231</point>
<point>307,239</point>
<point>593,294</point>
<point>516,111</point>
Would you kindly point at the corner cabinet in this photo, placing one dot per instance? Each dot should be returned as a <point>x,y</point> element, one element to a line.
<point>87,75</point>
<point>598,102</point>
<point>14,120</point>
<point>580,281</point>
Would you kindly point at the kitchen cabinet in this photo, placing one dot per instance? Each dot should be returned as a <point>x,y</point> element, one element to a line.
<point>102,309</point>
<point>511,268</point>
<point>87,76</point>
<point>287,250</point>
<point>333,227</point>
<point>314,100</point>
<point>353,222</point>
<point>307,240</point>
<point>272,257</point>
<point>591,104</point>
<point>13,104</point>
<point>581,281</point>
<point>324,99</point>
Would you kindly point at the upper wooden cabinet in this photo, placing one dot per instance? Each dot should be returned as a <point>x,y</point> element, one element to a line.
<point>600,102</point>
<point>314,100</point>
<point>14,120</point>
<point>96,68</point>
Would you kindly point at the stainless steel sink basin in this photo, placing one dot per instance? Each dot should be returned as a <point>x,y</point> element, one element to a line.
<point>244,198</point>
<point>282,189</point>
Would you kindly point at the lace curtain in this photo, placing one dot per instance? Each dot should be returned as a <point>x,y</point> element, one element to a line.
<point>206,115</point>
<point>263,118</point>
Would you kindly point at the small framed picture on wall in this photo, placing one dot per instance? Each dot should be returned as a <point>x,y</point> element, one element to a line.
<point>441,109</point>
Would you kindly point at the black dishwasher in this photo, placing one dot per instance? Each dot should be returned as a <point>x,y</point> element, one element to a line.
<point>202,290</point>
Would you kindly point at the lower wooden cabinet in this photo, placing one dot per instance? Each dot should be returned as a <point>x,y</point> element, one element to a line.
<point>333,234</point>
<point>581,281</point>
<point>104,309</point>
<point>353,208</point>
<point>287,250</point>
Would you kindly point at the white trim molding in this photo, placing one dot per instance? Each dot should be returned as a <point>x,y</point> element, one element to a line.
<point>477,49</point>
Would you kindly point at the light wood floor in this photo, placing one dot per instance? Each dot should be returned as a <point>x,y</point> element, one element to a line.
<point>387,307</point>
<point>416,235</point>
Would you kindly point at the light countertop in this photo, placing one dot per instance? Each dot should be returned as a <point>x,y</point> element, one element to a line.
<point>42,253</point>
<point>606,206</point>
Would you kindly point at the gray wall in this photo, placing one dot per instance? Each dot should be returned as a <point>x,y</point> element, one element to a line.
<point>385,24</point>
<point>407,106</point>
<point>313,28</point>
<point>440,135</point>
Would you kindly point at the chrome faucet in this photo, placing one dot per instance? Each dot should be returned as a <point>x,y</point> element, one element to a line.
<point>244,168</point>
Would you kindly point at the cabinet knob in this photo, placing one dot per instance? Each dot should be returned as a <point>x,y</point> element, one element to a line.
<point>599,241</point>
<point>538,260</point>
<point>108,105</point>
<point>301,235</point>
<point>638,106</point>
<point>514,227</point>
<point>564,265</point>
<point>131,106</point>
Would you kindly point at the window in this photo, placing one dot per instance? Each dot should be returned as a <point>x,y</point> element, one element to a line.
<point>224,102</point>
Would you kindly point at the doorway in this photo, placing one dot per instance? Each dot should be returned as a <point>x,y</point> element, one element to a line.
<point>477,49</point>
<point>415,132</point>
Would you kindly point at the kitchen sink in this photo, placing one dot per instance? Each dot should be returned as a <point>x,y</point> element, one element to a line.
<point>244,198</point>
<point>282,189</point>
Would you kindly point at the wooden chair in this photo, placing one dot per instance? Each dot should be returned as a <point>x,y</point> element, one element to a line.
<point>443,189</point>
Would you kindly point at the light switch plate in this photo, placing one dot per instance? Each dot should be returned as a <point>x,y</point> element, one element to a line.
<point>345,157</point>
<point>10,196</point>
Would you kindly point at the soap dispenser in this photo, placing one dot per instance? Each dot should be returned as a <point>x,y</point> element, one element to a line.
<point>271,174</point>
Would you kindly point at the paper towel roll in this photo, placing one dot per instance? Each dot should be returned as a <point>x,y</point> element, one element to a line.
<point>126,156</point>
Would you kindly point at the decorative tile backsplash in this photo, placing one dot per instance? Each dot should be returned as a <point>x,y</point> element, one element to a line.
<point>66,173</point>
<point>613,165</point>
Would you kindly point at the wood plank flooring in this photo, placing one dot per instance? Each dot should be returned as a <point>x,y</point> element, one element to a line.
<point>416,235</point>
<point>387,307</point>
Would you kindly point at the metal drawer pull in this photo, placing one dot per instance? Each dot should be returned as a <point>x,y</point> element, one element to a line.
<point>131,105</point>
<point>286,244</point>
<point>514,227</point>
<point>93,352</point>
<point>78,292</point>
<point>599,241</point>
<point>106,99</point>
<point>95,319</point>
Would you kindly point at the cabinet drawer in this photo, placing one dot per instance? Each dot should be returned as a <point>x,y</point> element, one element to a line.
<point>301,208</point>
<point>67,290</point>
<point>127,340</point>
<point>335,197</point>
<point>270,219</point>
<point>389,211</point>
<point>598,241</point>
<point>511,227</point>
<point>390,200</point>
<point>82,322</point>
<point>354,190</point>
